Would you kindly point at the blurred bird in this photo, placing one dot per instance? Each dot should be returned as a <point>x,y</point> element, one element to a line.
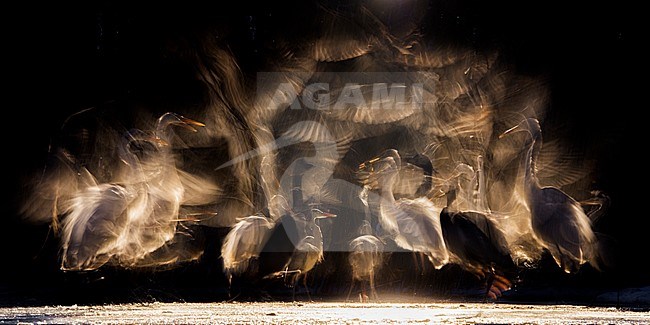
<point>558,220</point>
<point>477,244</point>
<point>365,258</point>
<point>279,247</point>
<point>244,242</point>
<point>414,224</point>
<point>135,214</point>
<point>308,251</point>
<point>96,220</point>
<point>366,254</point>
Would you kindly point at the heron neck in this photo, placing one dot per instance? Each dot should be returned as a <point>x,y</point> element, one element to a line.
<point>531,159</point>
<point>387,206</point>
<point>388,187</point>
<point>296,191</point>
<point>482,203</point>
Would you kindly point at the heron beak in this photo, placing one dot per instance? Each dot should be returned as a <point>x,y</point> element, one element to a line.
<point>322,214</point>
<point>368,163</point>
<point>509,131</point>
<point>190,124</point>
<point>158,141</point>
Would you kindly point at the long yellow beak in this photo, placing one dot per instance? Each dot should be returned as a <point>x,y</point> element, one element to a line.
<point>190,124</point>
<point>508,131</point>
<point>368,163</point>
<point>322,214</point>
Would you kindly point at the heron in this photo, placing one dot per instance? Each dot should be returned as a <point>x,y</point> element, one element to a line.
<point>135,214</point>
<point>244,242</point>
<point>245,247</point>
<point>558,220</point>
<point>366,253</point>
<point>478,245</point>
<point>365,258</point>
<point>474,241</point>
<point>308,251</point>
<point>414,224</point>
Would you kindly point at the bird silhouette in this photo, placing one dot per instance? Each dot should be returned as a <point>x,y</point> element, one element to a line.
<point>477,244</point>
<point>558,220</point>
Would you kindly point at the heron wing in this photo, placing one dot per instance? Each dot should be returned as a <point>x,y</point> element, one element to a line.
<point>564,227</point>
<point>95,220</point>
<point>244,241</point>
<point>51,192</point>
<point>197,190</point>
<point>365,255</point>
<point>558,166</point>
<point>419,226</point>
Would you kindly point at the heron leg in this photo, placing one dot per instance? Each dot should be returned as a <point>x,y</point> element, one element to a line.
<point>363,297</point>
<point>422,263</point>
<point>415,262</point>
<point>294,281</point>
<point>488,283</point>
<point>373,291</point>
<point>350,291</point>
<point>304,282</point>
<point>496,284</point>
<point>229,276</point>
<point>416,277</point>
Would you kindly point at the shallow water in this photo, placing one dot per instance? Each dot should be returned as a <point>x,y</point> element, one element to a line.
<point>322,312</point>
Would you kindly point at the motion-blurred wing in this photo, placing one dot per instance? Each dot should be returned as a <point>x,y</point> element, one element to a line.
<point>243,242</point>
<point>197,190</point>
<point>50,192</point>
<point>557,167</point>
<point>95,221</point>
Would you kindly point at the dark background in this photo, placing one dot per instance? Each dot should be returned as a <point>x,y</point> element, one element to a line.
<point>63,58</point>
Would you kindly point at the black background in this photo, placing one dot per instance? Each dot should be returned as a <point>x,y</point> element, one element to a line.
<point>63,58</point>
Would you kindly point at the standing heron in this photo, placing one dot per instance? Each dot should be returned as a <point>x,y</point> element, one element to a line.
<point>558,220</point>
<point>414,224</point>
<point>243,243</point>
<point>366,257</point>
<point>308,251</point>
<point>478,245</point>
<point>257,244</point>
<point>366,254</point>
<point>135,214</point>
